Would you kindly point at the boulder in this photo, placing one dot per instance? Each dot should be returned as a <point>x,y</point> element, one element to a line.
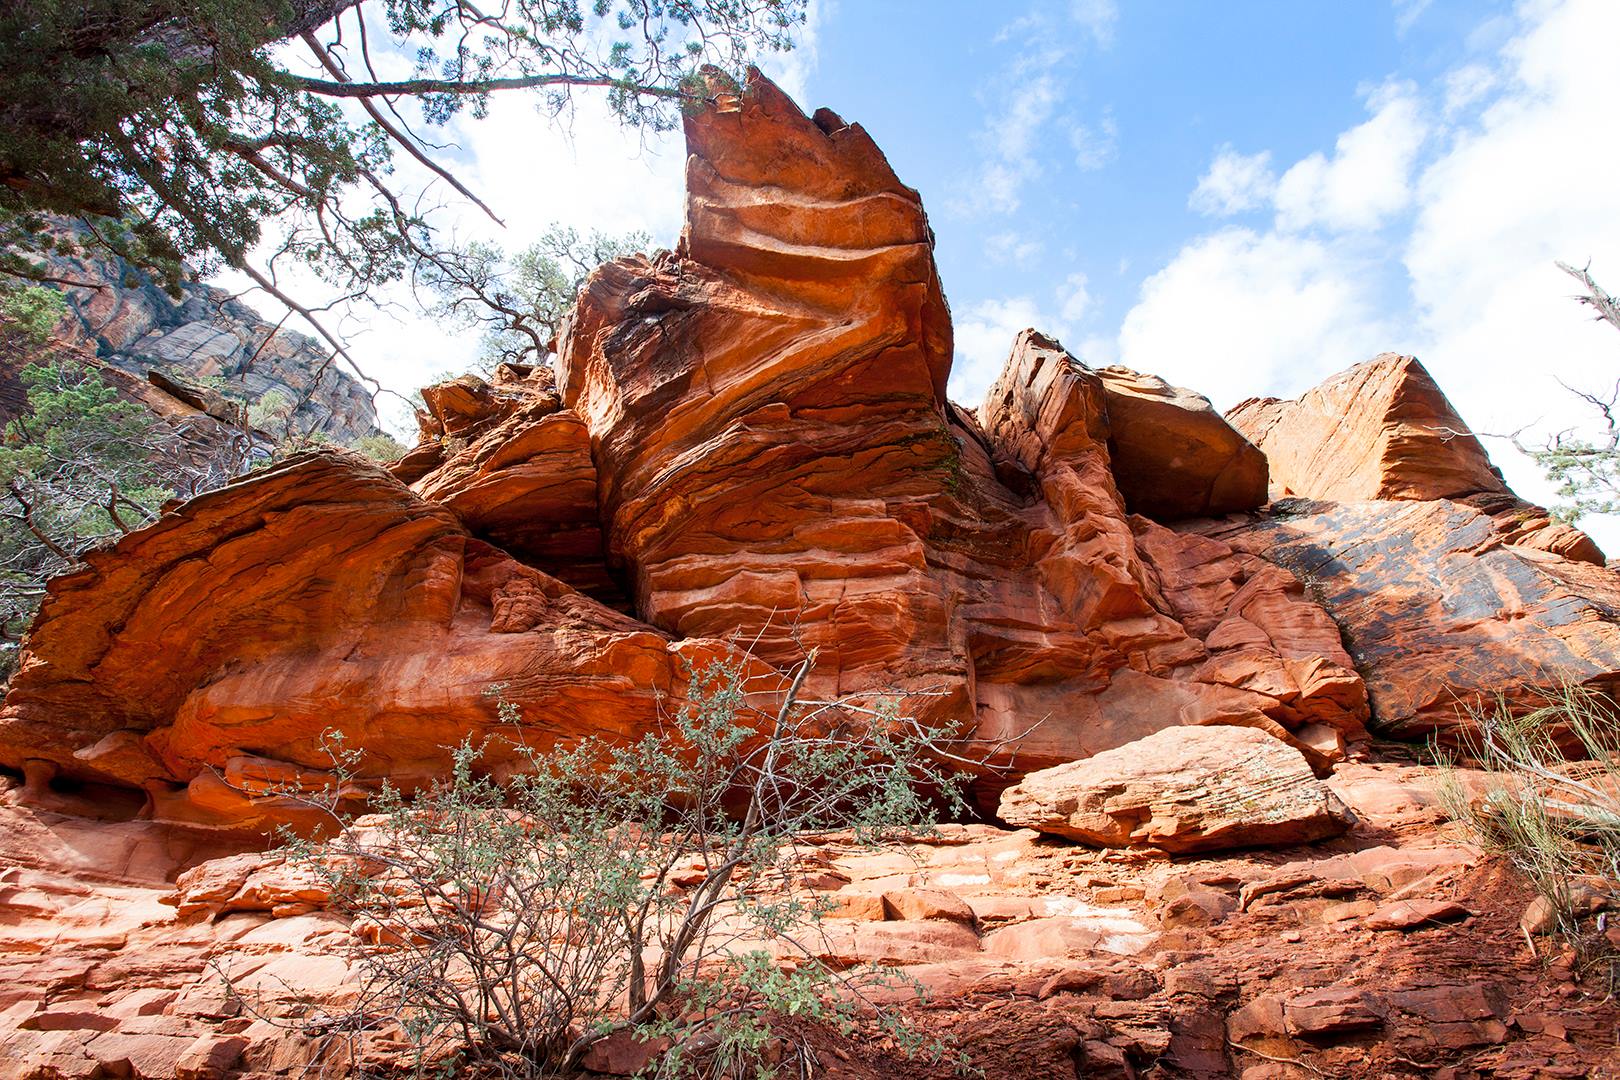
<point>1173,455</point>
<point>1414,914</point>
<point>1181,790</point>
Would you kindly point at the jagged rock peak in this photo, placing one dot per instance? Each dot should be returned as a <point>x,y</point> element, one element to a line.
<point>775,195</point>
<point>1379,430</point>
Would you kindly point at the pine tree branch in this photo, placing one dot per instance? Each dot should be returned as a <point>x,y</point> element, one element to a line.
<point>418,87</point>
<point>395,133</point>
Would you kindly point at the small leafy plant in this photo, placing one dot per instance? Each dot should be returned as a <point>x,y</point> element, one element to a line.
<point>651,892</point>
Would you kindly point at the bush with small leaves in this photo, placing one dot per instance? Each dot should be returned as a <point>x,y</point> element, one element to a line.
<point>502,927</point>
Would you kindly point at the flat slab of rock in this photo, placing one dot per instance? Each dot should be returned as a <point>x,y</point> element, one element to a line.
<point>1414,914</point>
<point>1182,789</point>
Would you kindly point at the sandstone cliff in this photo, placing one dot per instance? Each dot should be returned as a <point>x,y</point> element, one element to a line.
<point>745,443</point>
<point>747,438</point>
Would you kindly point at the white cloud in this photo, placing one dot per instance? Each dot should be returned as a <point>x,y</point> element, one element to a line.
<point>1514,180</point>
<point>792,70</point>
<point>590,173</point>
<point>1094,147</point>
<point>984,337</point>
<point>1525,184</point>
<point>1369,176</point>
<point>1408,12</point>
<point>1466,86</point>
<point>1239,313</point>
<point>1074,299</point>
<point>1023,100</point>
<point>985,333</point>
<point>1030,107</point>
<point>1011,140</point>
<point>998,187</point>
<point>1010,247</point>
<point>1097,17</point>
<point>1234,183</point>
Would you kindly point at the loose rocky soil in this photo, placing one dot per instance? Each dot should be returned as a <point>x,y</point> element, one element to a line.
<point>1391,951</point>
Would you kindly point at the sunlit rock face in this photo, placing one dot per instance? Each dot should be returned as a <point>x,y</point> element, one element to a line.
<point>1449,590</point>
<point>1385,430</point>
<point>745,445</point>
<point>1440,606</point>
<point>206,658</point>
<point>747,440</point>
<point>777,459</point>
<point>1381,430</point>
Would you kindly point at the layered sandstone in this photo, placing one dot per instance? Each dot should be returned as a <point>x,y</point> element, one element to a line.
<point>1381,430</point>
<point>776,456</point>
<point>205,659</point>
<point>1385,430</point>
<point>1156,628</point>
<point>1442,608</point>
<point>515,467</point>
<point>750,436</point>
<point>1451,593</point>
<point>765,406</point>
<point>1179,791</point>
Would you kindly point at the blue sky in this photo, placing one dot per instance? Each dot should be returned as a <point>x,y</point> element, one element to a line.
<point>1068,138</point>
<point>1242,197</point>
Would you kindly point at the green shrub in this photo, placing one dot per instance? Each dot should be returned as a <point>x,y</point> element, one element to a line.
<point>381,447</point>
<point>651,889</point>
<point>30,313</point>
<point>79,467</point>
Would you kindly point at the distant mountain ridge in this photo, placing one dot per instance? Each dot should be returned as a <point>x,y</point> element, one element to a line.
<point>207,337</point>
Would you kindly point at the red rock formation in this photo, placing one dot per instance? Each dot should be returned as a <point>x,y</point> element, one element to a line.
<point>1035,955</point>
<point>1448,588</point>
<point>765,407</point>
<point>205,657</point>
<point>1154,629</point>
<point>752,433</point>
<point>1173,455</point>
<point>515,467</point>
<point>1381,430</point>
<point>1440,607</point>
<point>1384,430</point>
<point>758,422</point>
<point>776,457</point>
